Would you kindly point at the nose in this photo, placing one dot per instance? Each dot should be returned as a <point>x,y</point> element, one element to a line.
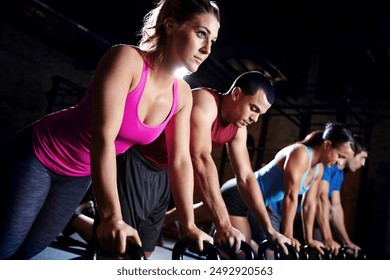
<point>206,48</point>
<point>254,118</point>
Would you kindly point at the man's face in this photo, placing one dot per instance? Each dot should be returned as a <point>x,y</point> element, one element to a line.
<point>248,108</point>
<point>355,162</point>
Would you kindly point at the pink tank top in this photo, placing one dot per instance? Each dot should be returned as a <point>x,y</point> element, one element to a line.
<point>221,134</point>
<point>61,140</point>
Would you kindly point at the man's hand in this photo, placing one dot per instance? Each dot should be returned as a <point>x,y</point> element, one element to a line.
<point>318,245</point>
<point>352,248</point>
<point>228,239</point>
<point>332,246</point>
<point>198,236</point>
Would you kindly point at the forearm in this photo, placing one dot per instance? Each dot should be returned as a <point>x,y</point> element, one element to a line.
<point>308,218</point>
<point>337,220</point>
<point>289,210</point>
<point>253,198</point>
<point>104,176</point>
<point>181,182</point>
<point>323,218</point>
<point>208,188</point>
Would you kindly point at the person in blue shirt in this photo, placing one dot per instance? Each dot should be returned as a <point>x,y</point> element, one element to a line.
<point>296,169</point>
<point>330,213</point>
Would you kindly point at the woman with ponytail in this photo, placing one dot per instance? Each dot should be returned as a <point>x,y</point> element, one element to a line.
<point>132,98</point>
<point>295,169</point>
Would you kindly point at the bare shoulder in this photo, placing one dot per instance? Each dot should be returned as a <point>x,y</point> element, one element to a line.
<point>124,56</point>
<point>296,154</point>
<point>126,50</point>
<point>299,150</point>
<point>184,92</point>
<point>203,97</point>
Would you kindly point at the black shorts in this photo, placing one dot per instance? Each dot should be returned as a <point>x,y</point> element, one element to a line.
<point>237,207</point>
<point>233,201</point>
<point>144,195</point>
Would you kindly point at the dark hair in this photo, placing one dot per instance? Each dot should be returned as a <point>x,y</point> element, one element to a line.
<point>250,82</point>
<point>314,138</point>
<point>153,34</point>
<point>360,145</point>
<point>336,133</point>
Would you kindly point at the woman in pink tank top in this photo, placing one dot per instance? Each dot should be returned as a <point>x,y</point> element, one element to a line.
<point>132,97</point>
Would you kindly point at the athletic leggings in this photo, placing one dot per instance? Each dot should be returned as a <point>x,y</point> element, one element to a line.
<point>36,204</point>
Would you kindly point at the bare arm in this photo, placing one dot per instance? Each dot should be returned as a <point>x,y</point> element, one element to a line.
<point>111,83</point>
<point>309,207</point>
<point>207,184</point>
<point>180,168</point>
<point>337,220</point>
<point>323,211</point>
<point>295,165</point>
<point>249,187</point>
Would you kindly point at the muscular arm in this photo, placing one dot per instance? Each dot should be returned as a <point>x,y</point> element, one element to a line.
<point>323,210</point>
<point>323,218</point>
<point>111,83</point>
<point>180,168</point>
<point>207,185</point>
<point>309,208</point>
<point>338,223</point>
<point>295,165</point>
<point>249,187</point>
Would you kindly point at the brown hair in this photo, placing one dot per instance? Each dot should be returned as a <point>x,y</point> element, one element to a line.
<point>153,34</point>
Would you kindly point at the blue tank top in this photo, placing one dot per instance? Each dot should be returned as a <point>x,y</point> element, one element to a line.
<point>271,181</point>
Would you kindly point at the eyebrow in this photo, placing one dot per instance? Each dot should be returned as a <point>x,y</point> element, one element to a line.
<point>208,30</point>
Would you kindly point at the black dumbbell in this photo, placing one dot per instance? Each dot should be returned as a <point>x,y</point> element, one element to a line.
<point>133,251</point>
<point>278,252</point>
<point>245,248</point>
<point>348,256</point>
<point>308,253</point>
<point>188,246</point>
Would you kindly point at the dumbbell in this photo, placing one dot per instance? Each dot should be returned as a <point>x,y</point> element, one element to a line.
<point>133,251</point>
<point>188,247</point>
<point>308,253</point>
<point>278,252</point>
<point>245,248</point>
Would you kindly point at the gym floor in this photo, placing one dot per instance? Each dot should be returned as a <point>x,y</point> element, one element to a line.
<point>73,248</point>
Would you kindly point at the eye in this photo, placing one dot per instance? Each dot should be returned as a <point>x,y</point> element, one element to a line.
<point>255,109</point>
<point>201,34</point>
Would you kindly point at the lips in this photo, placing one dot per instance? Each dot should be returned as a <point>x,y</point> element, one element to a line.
<point>199,60</point>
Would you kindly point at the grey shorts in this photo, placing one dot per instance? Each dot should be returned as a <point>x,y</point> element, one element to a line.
<point>236,207</point>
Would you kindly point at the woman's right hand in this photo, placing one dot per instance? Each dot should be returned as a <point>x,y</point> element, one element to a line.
<point>112,235</point>
<point>318,245</point>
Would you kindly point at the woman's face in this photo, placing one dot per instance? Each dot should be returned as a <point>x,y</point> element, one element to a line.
<point>338,155</point>
<point>191,42</point>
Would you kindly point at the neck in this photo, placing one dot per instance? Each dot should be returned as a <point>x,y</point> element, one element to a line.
<point>223,108</point>
<point>162,73</point>
<point>316,155</point>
